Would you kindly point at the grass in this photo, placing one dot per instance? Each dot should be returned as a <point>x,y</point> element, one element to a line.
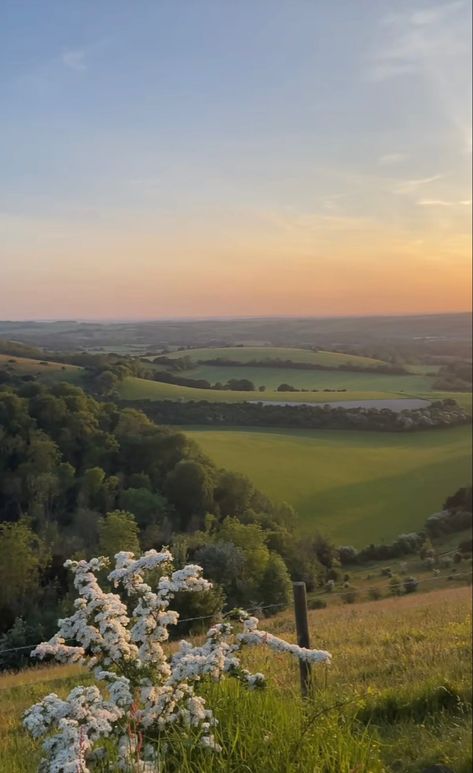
<point>396,698</point>
<point>247,353</point>
<point>357,487</point>
<point>314,379</point>
<point>142,389</point>
<point>52,370</point>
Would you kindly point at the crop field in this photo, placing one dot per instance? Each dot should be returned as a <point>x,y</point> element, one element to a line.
<point>247,353</point>
<point>357,487</point>
<point>271,378</point>
<point>396,697</point>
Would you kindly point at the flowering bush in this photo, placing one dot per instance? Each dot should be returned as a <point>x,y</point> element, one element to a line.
<point>145,691</point>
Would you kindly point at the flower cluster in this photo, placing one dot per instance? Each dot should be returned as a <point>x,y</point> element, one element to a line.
<point>145,690</point>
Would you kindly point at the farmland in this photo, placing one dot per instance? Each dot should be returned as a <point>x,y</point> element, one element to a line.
<point>357,487</point>
<point>272,377</point>
<point>245,354</point>
<point>396,697</point>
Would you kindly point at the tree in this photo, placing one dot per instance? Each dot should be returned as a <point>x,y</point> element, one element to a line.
<point>233,493</point>
<point>189,487</point>
<point>118,531</point>
<point>275,585</point>
<point>147,506</point>
<point>91,487</point>
<point>23,556</point>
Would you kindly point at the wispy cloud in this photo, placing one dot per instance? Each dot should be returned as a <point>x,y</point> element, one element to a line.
<point>443,203</point>
<point>414,40</point>
<point>407,186</point>
<point>74,59</point>
<point>390,159</point>
<point>431,44</point>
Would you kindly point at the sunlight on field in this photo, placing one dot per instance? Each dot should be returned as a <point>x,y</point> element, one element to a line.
<point>248,353</point>
<point>357,487</point>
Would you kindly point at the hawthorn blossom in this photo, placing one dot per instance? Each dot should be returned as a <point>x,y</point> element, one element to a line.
<point>144,690</point>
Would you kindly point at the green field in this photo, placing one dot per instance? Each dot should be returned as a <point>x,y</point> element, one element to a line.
<point>357,487</point>
<point>246,353</point>
<point>143,389</point>
<point>25,365</point>
<point>314,379</point>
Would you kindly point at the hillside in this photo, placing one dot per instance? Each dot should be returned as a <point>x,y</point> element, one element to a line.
<point>394,699</point>
<point>133,388</point>
<point>248,353</point>
<point>44,368</point>
<point>357,487</point>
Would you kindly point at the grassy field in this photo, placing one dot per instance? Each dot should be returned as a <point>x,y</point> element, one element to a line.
<point>246,353</point>
<point>358,487</point>
<point>54,370</point>
<point>314,379</point>
<point>395,699</point>
<point>142,389</point>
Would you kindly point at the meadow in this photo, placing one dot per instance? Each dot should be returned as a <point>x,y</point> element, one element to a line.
<point>44,368</point>
<point>248,353</point>
<point>396,697</point>
<point>132,388</point>
<point>356,487</point>
<point>271,378</point>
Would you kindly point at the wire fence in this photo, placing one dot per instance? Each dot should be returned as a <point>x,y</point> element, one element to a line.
<point>262,607</point>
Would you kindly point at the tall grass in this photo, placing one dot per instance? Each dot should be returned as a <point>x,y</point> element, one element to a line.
<point>396,698</point>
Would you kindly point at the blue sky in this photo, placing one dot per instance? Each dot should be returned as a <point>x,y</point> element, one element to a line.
<point>190,147</point>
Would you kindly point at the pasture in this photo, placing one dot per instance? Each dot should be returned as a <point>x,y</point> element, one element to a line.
<point>356,487</point>
<point>132,388</point>
<point>271,378</point>
<point>396,697</point>
<point>247,353</point>
<point>44,368</point>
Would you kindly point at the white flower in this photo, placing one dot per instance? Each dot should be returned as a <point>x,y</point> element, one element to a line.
<point>144,691</point>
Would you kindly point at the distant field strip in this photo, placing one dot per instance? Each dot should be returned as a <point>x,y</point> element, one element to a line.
<point>271,378</point>
<point>247,353</point>
<point>357,487</point>
<point>143,389</point>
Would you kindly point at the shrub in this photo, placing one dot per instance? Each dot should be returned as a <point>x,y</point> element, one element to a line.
<point>395,585</point>
<point>150,694</point>
<point>374,594</point>
<point>316,604</point>
<point>410,584</point>
<point>349,596</point>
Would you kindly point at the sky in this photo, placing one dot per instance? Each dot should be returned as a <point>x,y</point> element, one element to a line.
<point>180,158</point>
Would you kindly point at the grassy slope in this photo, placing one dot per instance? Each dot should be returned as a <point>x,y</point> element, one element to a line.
<point>246,353</point>
<point>357,487</point>
<point>314,379</point>
<point>24,365</point>
<point>143,389</point>
<point>397,653</point>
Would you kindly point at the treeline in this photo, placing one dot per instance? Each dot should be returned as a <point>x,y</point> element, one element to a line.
<point>454,377</point>
<point>440,413</point>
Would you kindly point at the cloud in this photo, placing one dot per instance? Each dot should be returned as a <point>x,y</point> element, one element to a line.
<point>406,186</point>
<point>389,159</point>
<point>74,59</point>
<point>443,203</point>
<point>432,45</point>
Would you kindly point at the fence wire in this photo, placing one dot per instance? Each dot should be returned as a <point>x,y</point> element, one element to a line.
<point>262,607</point>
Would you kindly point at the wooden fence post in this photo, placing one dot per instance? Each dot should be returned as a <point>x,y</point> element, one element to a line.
<point>302,629</point>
